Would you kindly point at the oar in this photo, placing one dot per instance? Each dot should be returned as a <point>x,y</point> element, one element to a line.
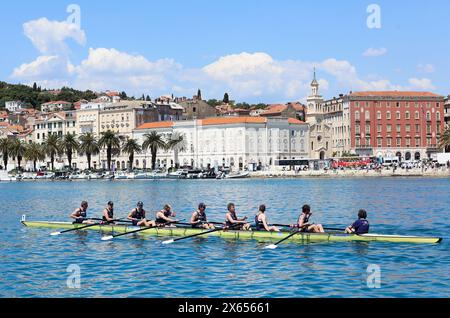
<point>81,227</point>
<point>110,237</point>
<point>274,246</point>
<point>198,234</point>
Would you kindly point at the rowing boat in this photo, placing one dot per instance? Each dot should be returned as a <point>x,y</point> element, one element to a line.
<point>257,235</point>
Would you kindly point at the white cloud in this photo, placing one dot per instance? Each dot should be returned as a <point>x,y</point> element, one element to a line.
<point>375,52</point>
<point>421,83</point>
<point>49,37</point>
<point>426,68</point>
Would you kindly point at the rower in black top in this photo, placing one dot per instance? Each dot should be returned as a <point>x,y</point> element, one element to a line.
<point>232,221</point>
<point>80,214</point>
<point>199,219</point>
<point>108,213</point>
<point>137,216</point>
<point>262,222</point>
<point>165,216</point>
<point>303,222</point>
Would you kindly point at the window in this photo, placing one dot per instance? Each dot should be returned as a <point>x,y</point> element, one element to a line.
<point>379,115</point>
<point>357,115</point>
<point>417,115</point>
<point>429,142</point>
<point>367,115</point>
<point>358,142</point>
<point>408,128</point>
<point>438,105</point>
<point>388,115</point>
<point>417,128</point>
<point>389,128</point>
<point>438,116</point>
<point>380,142</point>
<point>398,105</point>
<point>407,115</point>
<point>398,116</point>
<point>408,142</point>
<point>399,142</point>
<point>37,135</point>
<point>407,105</point>
<point>368,141</point>
<point>417,142</point>
<point>357,129</point>
<point>428,129</point>
<point>428,116</point>
<point>416,105</point>
<point>368,129</point>
<point>399,128</point>
<point>389,142</point>
<point>379,129</point>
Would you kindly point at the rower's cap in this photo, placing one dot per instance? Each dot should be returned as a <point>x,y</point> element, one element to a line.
<point>140,203</point>
<point>202,206</point>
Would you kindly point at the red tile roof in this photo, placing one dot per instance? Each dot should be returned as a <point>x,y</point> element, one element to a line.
<point>394,94</point>
<point>155,125</point>
<point>232,120</point>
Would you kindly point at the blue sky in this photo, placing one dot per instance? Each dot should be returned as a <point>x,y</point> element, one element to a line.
<point>258,51</point>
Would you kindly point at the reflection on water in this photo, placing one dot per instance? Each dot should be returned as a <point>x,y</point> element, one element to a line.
<point>34,263</point>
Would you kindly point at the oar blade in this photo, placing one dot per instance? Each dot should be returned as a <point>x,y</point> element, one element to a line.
<point>55,233</point>
<point>168,242</point>
<point>107,238</point>
<point>271,247</point>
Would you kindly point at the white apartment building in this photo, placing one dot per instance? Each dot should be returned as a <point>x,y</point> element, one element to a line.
<point>56,106</point>
<point>234,142</point>
<point>13,106</point>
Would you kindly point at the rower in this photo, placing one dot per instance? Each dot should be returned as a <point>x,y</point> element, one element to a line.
<point>165,216</point>
<point>137,216</point>
<point>232,221</point>
<point>108,213</point>
<point>199,219</point>
<point>360,226</point>
<point>80,214</point>
<point>261,221</point>
<point>303,222</point>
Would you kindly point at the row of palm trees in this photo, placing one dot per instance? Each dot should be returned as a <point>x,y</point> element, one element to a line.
<point>87,144</point>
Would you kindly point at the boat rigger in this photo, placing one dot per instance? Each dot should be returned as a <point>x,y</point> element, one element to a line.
<point>183,231</point>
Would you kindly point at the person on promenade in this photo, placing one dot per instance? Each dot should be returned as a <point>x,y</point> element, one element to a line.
<point>80,214</point>
<point>137,216</point>
<point>360,226</point>
<point>262,222</point>
<point>165,216</point>
<point>303,222</point>
<point>199,219</point>
<point>108,213</point>
<point>233,222</point>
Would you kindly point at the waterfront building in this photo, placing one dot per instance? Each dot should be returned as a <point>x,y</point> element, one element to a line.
<point>447,111</point>
<point>320,131</point>
<point>13,106</point>
<point>234,142</point>
<point>196,108</point>
<point>406,125</point>
<point>56,106</point>
<point>336,116</point>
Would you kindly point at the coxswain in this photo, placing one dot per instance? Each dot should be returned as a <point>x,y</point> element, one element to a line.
<point>360,226</point>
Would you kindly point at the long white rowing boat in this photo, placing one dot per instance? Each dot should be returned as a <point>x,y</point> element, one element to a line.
<point>258,235</point>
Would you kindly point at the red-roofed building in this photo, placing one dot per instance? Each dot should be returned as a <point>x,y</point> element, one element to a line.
<point>56,106</point>
<point>238,142</point>
<point>289,110</point>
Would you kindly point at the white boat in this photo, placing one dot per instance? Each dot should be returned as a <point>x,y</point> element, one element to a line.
<point>239,175</point>
<point>44,176</point>
<point>79,176</point>
<point>121,176</point>
<point>94,176</point>
<point>179,174</point>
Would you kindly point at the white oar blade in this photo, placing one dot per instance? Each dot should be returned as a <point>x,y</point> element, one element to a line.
<point>55,233</point>
<point>107,238</point>
<point>271,247</point>
<point>168,242</point>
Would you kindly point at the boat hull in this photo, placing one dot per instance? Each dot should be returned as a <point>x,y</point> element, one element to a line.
<point>258,235</point>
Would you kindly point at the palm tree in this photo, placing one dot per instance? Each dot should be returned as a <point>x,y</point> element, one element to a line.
<point>18,149</point>
<point>444,142</point>
<point>130,147</point>
<point>52,147</point>
<point>69,144</point>
<point>34,152</point>
<point>111,141</point>
<point>5,148</point>
<point>177,143</point>
<point>154,141</point>
<point>88,146</point>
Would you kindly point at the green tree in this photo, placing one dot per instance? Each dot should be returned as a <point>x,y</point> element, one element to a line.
<point>52,147</point>
<point>130,147</point>
<point>154,142</point>
<point>5,148</point>
<point>88,146</point>
<point>178,144</point>
<point>18,149</point>
<point>69,144</point>
<point>444,141</point>
<point>111,141</point>
<point>34,152</point>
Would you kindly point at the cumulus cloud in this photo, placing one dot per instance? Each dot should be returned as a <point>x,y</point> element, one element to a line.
<point>49,37</point>
<point>421,83</point>
<point>375,52</point>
